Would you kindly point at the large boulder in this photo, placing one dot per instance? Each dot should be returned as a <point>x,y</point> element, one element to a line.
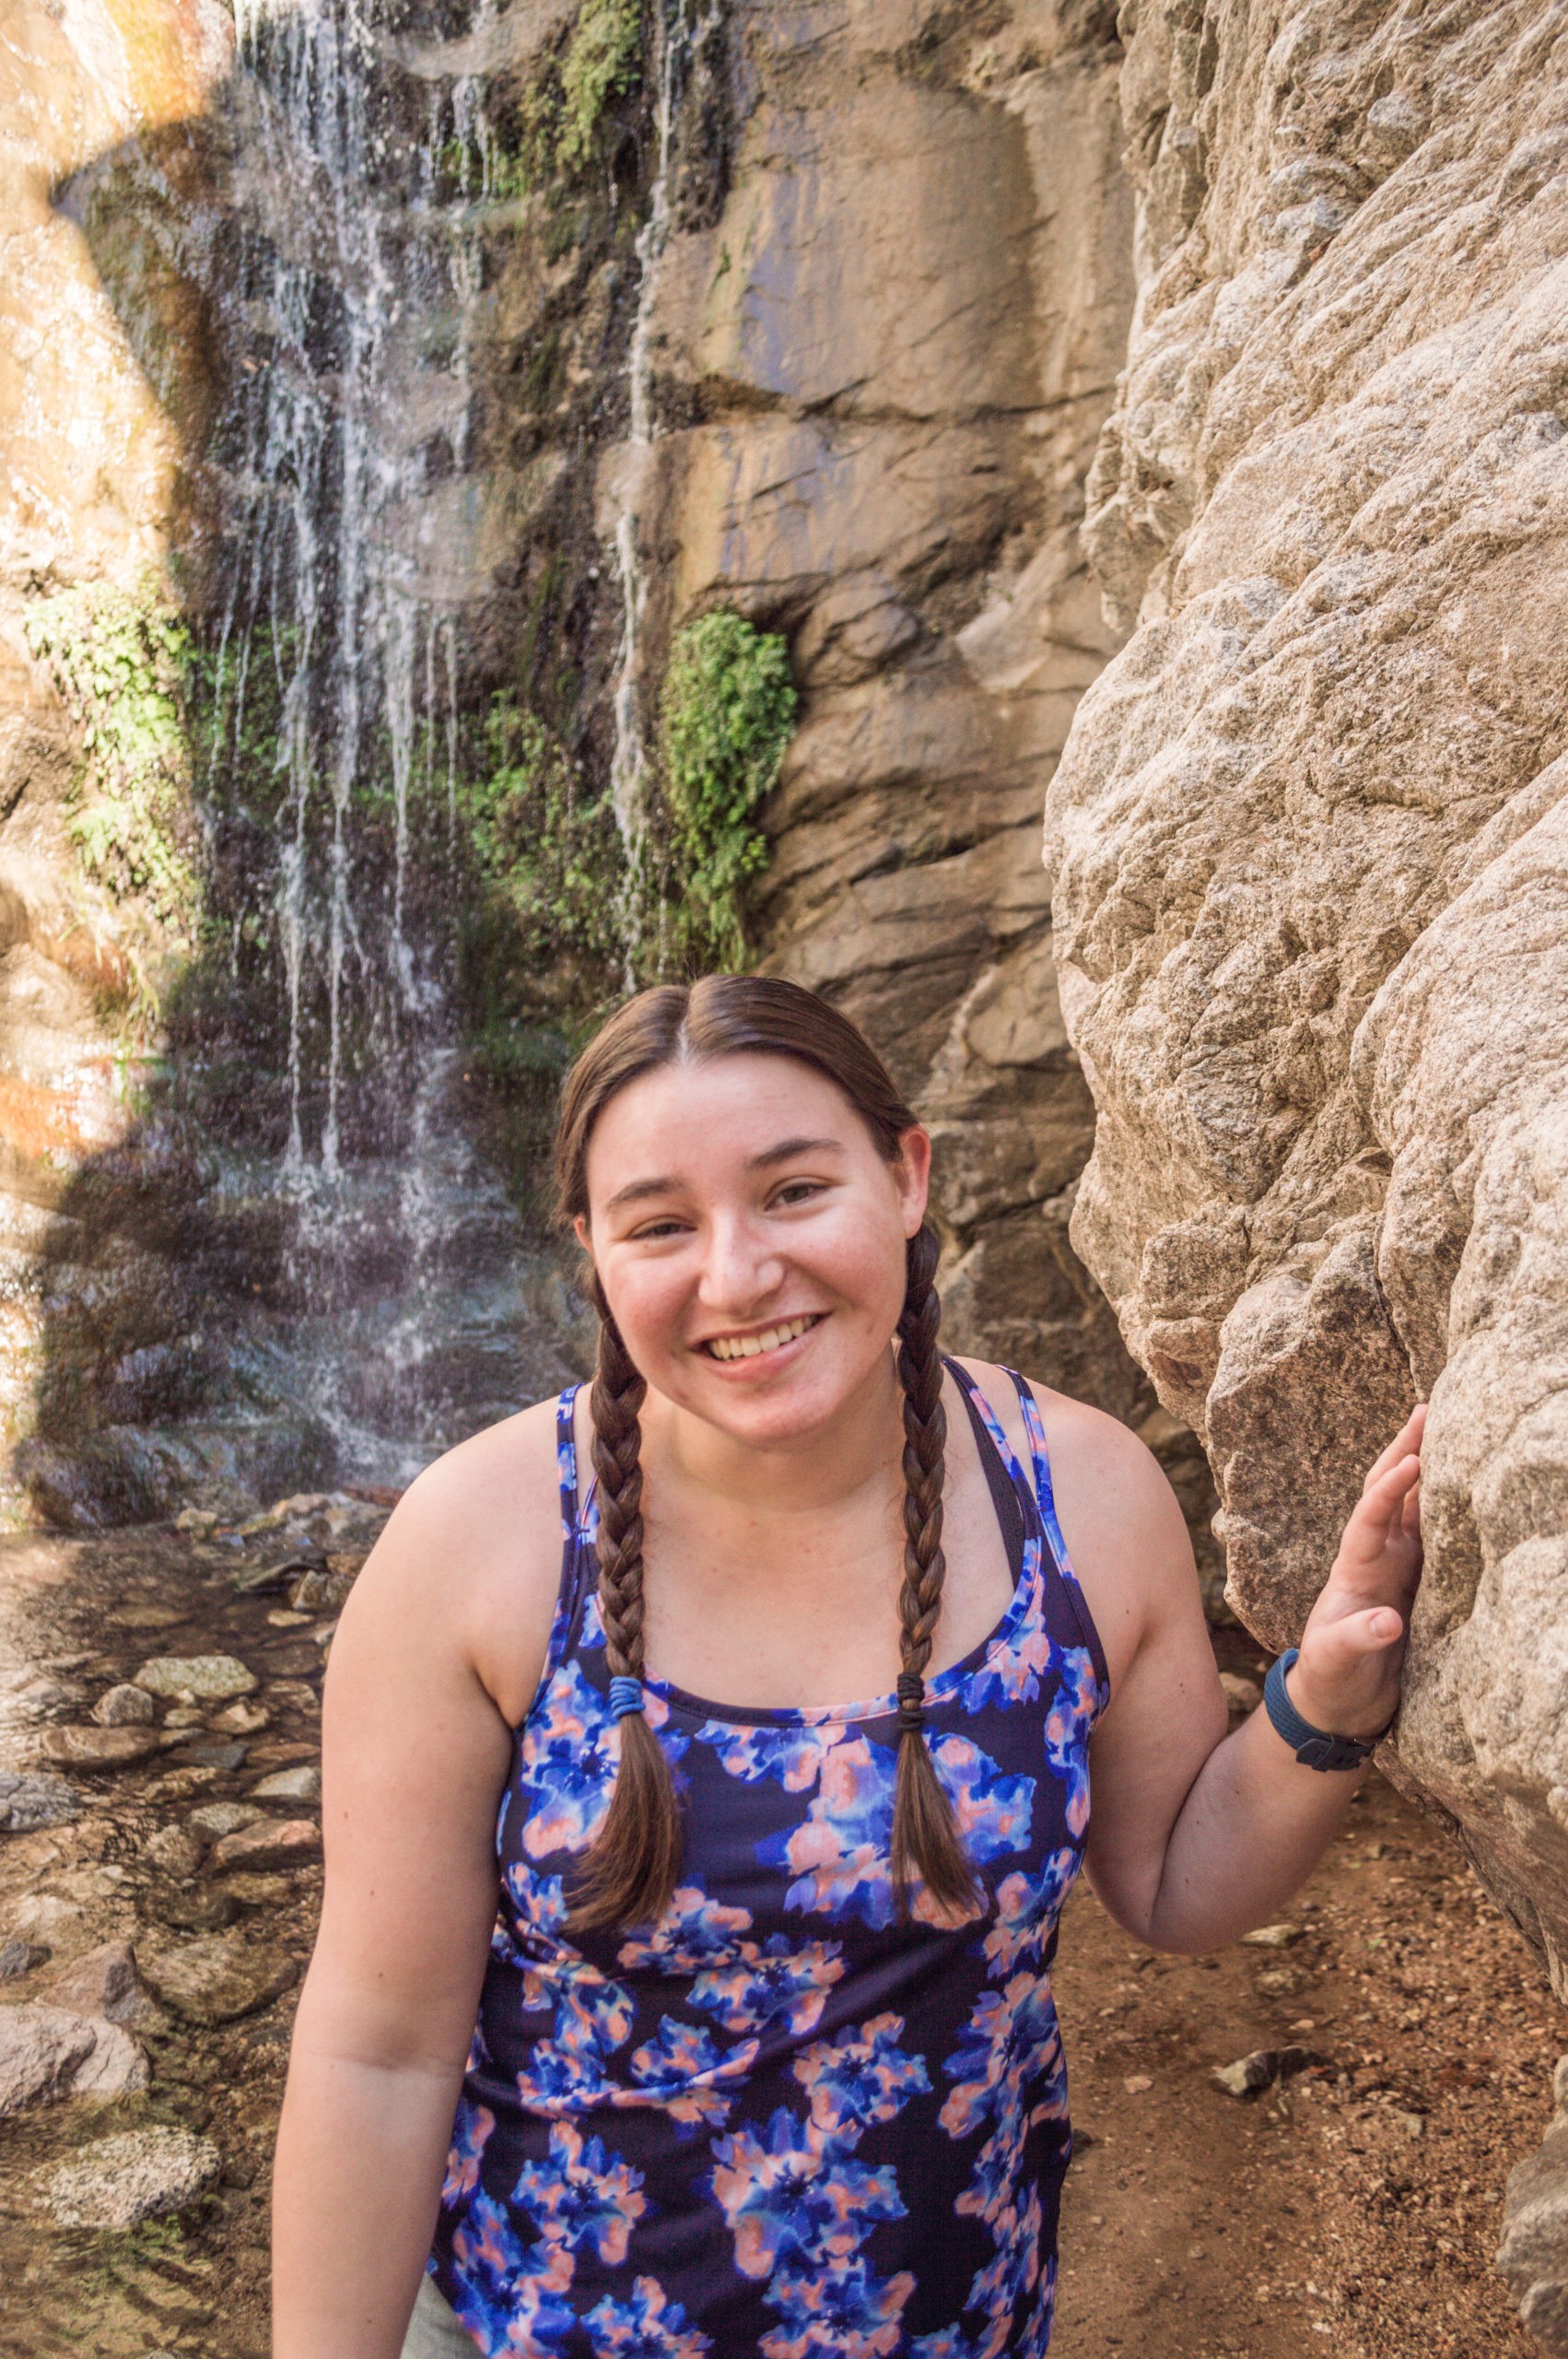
<point>1310,836</point>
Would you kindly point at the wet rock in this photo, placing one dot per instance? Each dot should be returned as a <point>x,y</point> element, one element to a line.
<point>185,1716</point>
<point>243,1719</point>
<point>146,1617</point>
<point>323,1592</point>
<point>174,1852</point>
<point>141,2175</point>
<point>185,1678</point>
<point>124,1706</point>
<point>217,1978</point>
<point>1533,2255</point>
<point>301,1784</point>
<point>259,1891</point>
<point>214,1820</point>
<point>40,2051</point>
<point>113,2067</point>
<point>99,1748</point>
<point>27,1701</point>
<point>215,1756</point>
<point>1262,2069</point>
<point>185,1909</point>
<point>274,1843</point>
<point>105,1983</point>
<point>18,1958</point>
<point>29,1802</point>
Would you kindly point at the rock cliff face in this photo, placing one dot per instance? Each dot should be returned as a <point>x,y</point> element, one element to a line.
<point>883,361</point>
<point>1309,835</point>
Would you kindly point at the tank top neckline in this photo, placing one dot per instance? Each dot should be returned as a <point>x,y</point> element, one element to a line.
<point>1042,1535</point>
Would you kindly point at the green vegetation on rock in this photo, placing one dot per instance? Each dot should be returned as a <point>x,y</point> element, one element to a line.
<point>603,61</point>
<point>120,661</point>
<point>726,718</point>
<point>555,128</point>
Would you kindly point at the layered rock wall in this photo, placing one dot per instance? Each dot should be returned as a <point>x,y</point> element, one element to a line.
<point>883,363</point>
<point>1309,835</point>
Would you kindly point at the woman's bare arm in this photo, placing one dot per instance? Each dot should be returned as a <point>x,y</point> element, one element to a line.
<point>1195,1837</point>
<point>440,1644</point>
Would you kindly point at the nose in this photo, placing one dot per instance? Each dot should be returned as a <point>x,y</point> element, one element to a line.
<point>741,1268</point>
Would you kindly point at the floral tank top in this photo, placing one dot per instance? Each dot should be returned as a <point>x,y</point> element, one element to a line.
<point>780,2121</point>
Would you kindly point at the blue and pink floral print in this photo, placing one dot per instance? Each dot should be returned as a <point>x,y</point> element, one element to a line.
<point>782,2121</point>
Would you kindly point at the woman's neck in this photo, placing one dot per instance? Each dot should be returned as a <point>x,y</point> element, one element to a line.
<point>860,1447</point>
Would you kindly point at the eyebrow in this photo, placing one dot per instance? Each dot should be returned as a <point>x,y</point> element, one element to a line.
<point>636,1191</point>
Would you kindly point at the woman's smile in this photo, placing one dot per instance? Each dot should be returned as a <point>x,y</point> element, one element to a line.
<point>749,1343</point>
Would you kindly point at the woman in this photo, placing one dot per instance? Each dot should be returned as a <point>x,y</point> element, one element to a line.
<point>766,2058</point>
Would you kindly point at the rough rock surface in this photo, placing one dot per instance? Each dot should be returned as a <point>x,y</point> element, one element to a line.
<point>216,1977</point>
<point>50,2052</point>
<point>880,366</point>
<point>1533,2255</point>
<point>139,2175</point>
<point>1309,836</point>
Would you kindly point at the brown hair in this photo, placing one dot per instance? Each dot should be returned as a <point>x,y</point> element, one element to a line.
<point>633,1864</point>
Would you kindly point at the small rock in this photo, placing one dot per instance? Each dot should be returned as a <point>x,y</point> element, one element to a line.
<point>218,1676</point>
<point>28,1803</point>
<point>1135,2083</point>
<point>321,1592</point>
<point>1272,1937</point>
<point>1262,2069</point>
<point>146,1617</point>
<point>258,1580</point>
<point>27,1702</point>
<point>18,1958</point>
<point>105,1983</point>
<point>185,1716</point>
<point>285,1618</point>
<point>217,1978</point>
<point>1412,2124</point>
<point>294,1695</point>
<point>216,1819</point>
<point>201,1522</point>
<point>275,1843</point>
<point>41,2049</point>
<point>302,1784</point>
<point>90,1748</point>
<point>215,1756</point>
<point>124,1706</point>
<point>1281,1982</point>
<point>186,1908</point>
<point>139,2175</point>
<point>243,1719</point>
<point>113,2067</point>
<point>174,1852</point>
<point>1243,1695</point>
<point>258,1892</point>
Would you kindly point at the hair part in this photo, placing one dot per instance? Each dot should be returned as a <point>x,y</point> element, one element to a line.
<point>633,1863</point>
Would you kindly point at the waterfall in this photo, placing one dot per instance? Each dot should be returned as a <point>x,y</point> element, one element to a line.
<point>357,288</point>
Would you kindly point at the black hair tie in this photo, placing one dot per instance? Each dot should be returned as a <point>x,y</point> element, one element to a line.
<point>911,1703</point>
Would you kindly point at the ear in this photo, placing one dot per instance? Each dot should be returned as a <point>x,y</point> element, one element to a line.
<point>580,1231</point>
<point>912,1176</point>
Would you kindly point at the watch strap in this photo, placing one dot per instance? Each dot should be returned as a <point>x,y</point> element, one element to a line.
<point>1313,1748</point>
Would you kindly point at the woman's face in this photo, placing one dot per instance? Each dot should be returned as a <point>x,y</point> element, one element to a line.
<point>750,1239</point>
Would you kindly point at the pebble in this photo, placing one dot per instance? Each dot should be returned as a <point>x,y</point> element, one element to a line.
<point>218,1977</point>
<point>1272,1937</point>
<point>215,1756</point>
<point>258,1890</point>
<point>146,1617</point>
<point>274,1843</point>
<point>215,1819</point>
<point>18,1958</point>
<point>185,1716</point>
<point>191,1676</point>
<point>285,1618</point>
<point>98,1748</point>
<point>201,1522</point>
<point>302,1784</point>
<point>124,1706</point>
<point>243,1719</point>
<point>323,1592</point>
<point>294,1695</point>
<point>139,2175</point>
<point>173,1851</point>
<point>1243,1695</point>
<point>26,1802</point>
<point>105,1983</point>
<point>40,2051</point>
<point>1262,2069</point>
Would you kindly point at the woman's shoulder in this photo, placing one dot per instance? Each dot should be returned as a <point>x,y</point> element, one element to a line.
<point>471,1555</point>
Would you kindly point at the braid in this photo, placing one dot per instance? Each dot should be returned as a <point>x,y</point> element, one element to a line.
<point>926,1841</point>
<point>634,1861</point>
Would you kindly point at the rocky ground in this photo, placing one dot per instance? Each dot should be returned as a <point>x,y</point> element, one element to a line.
<point>158,1886</point>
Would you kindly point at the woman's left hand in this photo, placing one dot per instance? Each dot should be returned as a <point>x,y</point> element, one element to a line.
<point>1347,1679</point>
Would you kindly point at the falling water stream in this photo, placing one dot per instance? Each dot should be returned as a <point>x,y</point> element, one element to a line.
<point>411,1311</point>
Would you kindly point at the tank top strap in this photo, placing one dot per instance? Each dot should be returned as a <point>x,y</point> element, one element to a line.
<point>1045,1499</point>
<point>997,1433</point>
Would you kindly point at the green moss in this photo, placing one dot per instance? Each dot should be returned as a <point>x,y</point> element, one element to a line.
<point>547,855</point>
<point>726,718</point>
<point>121,663</point>
<point>603,61</point>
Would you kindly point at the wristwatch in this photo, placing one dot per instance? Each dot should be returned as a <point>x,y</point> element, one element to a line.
<point>1313,1748</point>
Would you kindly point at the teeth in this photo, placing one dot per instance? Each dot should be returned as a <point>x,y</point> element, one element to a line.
<point>749,1347</point>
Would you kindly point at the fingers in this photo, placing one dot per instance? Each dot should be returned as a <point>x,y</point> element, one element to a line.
<point>1342,1646</point>
<point>1407,1440</point>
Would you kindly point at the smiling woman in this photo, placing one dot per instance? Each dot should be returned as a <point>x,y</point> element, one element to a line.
<point>731,2020</point>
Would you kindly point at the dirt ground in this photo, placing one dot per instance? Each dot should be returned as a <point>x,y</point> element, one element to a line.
<point>1352,2209</point>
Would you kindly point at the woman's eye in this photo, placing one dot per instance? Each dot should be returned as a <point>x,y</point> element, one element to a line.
<point>656,1228</point>
<point>798,1191</point>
